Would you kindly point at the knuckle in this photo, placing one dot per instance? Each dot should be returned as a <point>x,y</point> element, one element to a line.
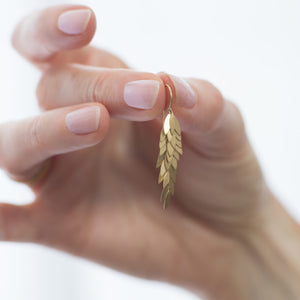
<point>34,133</point>
<point>100,89</point>
<point>42,92</point>
<point>95,89</point>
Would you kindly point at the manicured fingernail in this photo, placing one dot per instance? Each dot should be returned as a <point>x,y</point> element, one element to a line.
<point>74,21</point>
<point>185,96</point>
<point>141,93</point>
<point>84,120</point>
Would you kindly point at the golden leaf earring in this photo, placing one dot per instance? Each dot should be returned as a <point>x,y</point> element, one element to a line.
<point>170,147</point>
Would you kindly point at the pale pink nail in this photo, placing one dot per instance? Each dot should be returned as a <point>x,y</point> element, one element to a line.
<point>74,21</point>
<point>84,120</point>
<point>141,93</point>
<point>185,96</point>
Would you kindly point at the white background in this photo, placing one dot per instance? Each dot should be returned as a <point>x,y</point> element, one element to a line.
<point>248,49</point>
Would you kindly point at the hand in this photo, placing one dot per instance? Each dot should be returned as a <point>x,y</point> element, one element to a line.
<point>100,197</point>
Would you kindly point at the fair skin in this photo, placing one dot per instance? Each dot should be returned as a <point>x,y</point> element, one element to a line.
<point>224,235</point>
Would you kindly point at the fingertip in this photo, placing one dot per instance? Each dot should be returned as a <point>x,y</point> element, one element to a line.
<point>183,93</point>
<point>74,22</point>
<point>129,95</point>
<point>88,122</point>
<point>51,133</point>
<point>104,122</point>
<point>44,33</point>
<point>77,25</point>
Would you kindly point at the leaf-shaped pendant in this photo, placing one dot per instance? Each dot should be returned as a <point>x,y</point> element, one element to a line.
<point>170,148</point>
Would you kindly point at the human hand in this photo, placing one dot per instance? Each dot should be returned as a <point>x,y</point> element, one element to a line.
<point>100,197</point>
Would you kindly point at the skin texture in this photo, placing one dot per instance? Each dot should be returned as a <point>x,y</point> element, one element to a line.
<point>99,198</point>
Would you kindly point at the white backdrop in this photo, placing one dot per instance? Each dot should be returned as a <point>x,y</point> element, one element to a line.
<point>249,49</point>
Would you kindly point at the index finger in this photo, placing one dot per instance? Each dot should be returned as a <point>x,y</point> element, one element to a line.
<point>42,34</point>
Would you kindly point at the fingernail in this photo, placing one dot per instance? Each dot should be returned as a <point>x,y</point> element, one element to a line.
<point>141,93</point>
<point>74,21</point>
<point>185,96</point>
<point>84,120</point>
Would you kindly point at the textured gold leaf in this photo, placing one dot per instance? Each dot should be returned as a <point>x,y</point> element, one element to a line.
<point>171,187</point>
<point>160,159</point>
<point>178,146</point>
<point>174,162</point>
<point>176,155</point>
<point>173,141</point>
<point>162,150</point>
<point>174,124</point>
<point>166,179</point>
<point>163,171</point>
<point>179,151</point>
<point>170,148</point>
<point>169,136</point>
<point>167,201</point>
<point>162,143</point>
<point>178,137</point>
<point>173,175</point>
<point>166,127</point>
<point>167,164</point>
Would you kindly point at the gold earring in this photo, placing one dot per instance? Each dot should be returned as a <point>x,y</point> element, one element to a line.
<point>170,147</point>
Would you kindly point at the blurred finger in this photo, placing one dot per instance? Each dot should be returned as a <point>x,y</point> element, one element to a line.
<point>26,144</point>
<point>44,33</point>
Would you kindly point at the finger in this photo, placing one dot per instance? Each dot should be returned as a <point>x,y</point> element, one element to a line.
<point>88,56</point>
<point>26,144</point>
<point>127,94</point>
<point>44,33</point>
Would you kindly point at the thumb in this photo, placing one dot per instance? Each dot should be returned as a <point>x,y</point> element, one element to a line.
<point>211,125</point>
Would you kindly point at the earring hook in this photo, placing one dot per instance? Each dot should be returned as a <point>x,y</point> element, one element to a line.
<point>171,97</point>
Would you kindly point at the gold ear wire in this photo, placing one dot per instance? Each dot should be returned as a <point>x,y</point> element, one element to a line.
<point>171,97</point>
